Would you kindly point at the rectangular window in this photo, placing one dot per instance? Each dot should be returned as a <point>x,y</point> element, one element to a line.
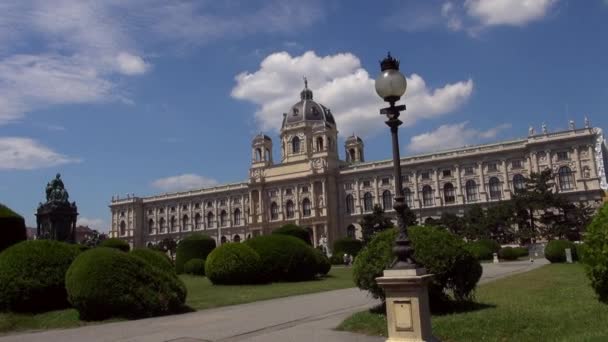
<point>197,206</point>
<point>516,164</point>
<point>468,170</point>
<point>425,175</point>
<point>492,167</point>
<point>366,184</point>
<point>405,178</point>
<point>237,200</point>
<point>272,193</point>
<point>447,173</point>
<point>348,186</point>
<point>150,212</point>
<point>184,207</point>
<point>223,202</point>
<point>305,189</point>
<point>385,181</point>
<point>563,155</point>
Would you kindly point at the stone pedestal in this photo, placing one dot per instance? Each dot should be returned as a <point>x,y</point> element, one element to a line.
<point>495,258</point>
<point>407,305</point>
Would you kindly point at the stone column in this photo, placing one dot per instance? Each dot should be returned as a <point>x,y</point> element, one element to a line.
<point>483,196</point>
<point>282,206</point>
<point>460,197</point>
<point>579,168</point>
<point>593,170</point>
<point>416,200</point>
<point>357,198</point>
<point>438,198</point>
<point>296,205</point>
<point>505,186</point>
<point>376,192</point>
<point>313,200</point>
<point>549,159</point>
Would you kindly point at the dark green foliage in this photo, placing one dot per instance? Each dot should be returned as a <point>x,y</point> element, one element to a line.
<point>323,264</point>
<point>595,253</point>
<point>155,258</point>
<point>453,223</point>
<point>195,267</point>
<point>167,245</point>
<point>347,245</point>
<point>441,253</point>
<point>284,258</point>
<point>479,250</point>
<point>490,244</point>
<point>104,282</point>
<point>12,228</point>
<point>294,230</point>
<point>193,246</point>
<point>374,222</point>
<point>555,250</point>
<point>116,243</point>
<point>508,253</point>
<point>233,264</point>
<point>337,259</point>
<point>32,275</point>
<point>521,251</point>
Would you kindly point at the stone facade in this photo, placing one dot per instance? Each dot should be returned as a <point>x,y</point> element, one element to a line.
<point>314,188</point>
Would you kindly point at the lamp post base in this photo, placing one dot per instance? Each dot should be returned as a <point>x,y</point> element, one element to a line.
<point>408,313</point>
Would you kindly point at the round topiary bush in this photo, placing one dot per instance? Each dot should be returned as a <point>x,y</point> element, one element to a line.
<point>284,258</point>
<point>347,245</point>
<point>508,253</point>
<point>233,264</point>
<point>32,275</point>
<point>105,282</point>
<point>456,271</point>
<point>555,251</point>
<point>479,250</point>
<point>12,228</point>
<point>595,253</point>
<point>194,246</point>
<point>294,230</point>
<point>156,259</point>
<point>323,264</point>
<point>195,267</point>
<point>116,243</point>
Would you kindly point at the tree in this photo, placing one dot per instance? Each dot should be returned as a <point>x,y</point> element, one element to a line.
<point>168,245</point>
<point>498,220</point>
<point>474,222</point>
<point>453,223</point>
<point>410,217</point>
<point>94,239</point>
<point>375,222</point>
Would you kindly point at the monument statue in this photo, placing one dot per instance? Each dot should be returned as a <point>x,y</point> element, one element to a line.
<point>56,218</point>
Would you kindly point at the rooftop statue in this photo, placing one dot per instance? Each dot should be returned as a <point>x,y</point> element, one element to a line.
<point>55,191</point>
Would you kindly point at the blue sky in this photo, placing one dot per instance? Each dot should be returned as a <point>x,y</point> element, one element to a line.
<point>149,96</point>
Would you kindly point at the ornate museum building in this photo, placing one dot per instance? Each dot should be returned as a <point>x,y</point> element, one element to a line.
<point>312,187</point>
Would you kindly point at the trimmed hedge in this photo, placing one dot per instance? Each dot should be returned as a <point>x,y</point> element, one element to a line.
<point>508,253</point>
<point>156,259</point>
<point>195,267</point>
<point>456,271</point>
<point>294,230</point>
<point>490,244</point>
<point>12,228</point>
<point>521,252</point>
<point>323,264</point>
<point>233,264</point>
<point>116,243</point>
<point>284,258</point>
<point>347,245</point>
<point>32,275</point>
<point>555,251</point>
<point>595,253</point>
<point>479,250</point>
<point>105,282</point>
<point>194,246</point>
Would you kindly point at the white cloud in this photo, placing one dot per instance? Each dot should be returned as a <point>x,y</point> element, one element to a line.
<point>129,64</point>
<point>93,223</point>
<point>507,12</point>
<point>451,136</point>
<point>17,153</point>
<point>339,82</point>
<point>186,181</point>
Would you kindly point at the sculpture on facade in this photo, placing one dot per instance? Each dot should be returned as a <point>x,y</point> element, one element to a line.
<point>571,125</point>
<point>530,131</point>
<point>544,127</point>
<point>56,218</point>
<point>587,124</point>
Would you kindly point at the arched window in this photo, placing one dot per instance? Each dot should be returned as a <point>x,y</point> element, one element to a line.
<point>295,145</point>
<point>237,217</point>
<point>150,226</point>
<point>368,202</point>
<point>407,193</point>
<point>471,191</point>
<point>209,204</point>
<point>123,228</point>
<point>566,178</point>
<point>223,218</point>
<point>494,184</point>
<point>448,193</point>
<point>223,240</point>
<point>258,154</point>
<point>427,195</point>
<point>350,231</point>
<point>274,211</point>
<point>210,218</point>
<point>387,200</point>
<point>352,154</point>
<point>306,207</point>
<point>185,222</point>
<point>320,144</point>
<point>161,225</point>
<point>289,209</point>
<point>172,225</point>
<point>519,183</point>
<point>350,204</point>
<point>197,221</point>
<point>236,238</point>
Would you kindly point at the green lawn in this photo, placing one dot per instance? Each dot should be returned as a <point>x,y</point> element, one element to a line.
<point>201,295</point>
<point>553,303</point>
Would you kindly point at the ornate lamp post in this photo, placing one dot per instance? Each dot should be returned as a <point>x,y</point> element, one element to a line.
<point>405,284</point>
<point>390,86</point>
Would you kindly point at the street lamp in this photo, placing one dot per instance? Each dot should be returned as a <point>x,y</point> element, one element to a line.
<point>390,86</point>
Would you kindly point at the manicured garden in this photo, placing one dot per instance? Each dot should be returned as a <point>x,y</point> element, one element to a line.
<point>553,303</point>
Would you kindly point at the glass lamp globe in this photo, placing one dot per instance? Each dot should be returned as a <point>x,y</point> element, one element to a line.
<point>391,85</point>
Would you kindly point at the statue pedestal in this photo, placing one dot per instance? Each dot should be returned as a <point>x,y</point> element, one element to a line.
<point>407,305</point>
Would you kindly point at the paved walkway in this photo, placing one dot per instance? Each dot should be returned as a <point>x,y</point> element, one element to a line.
<point>299,318</point>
